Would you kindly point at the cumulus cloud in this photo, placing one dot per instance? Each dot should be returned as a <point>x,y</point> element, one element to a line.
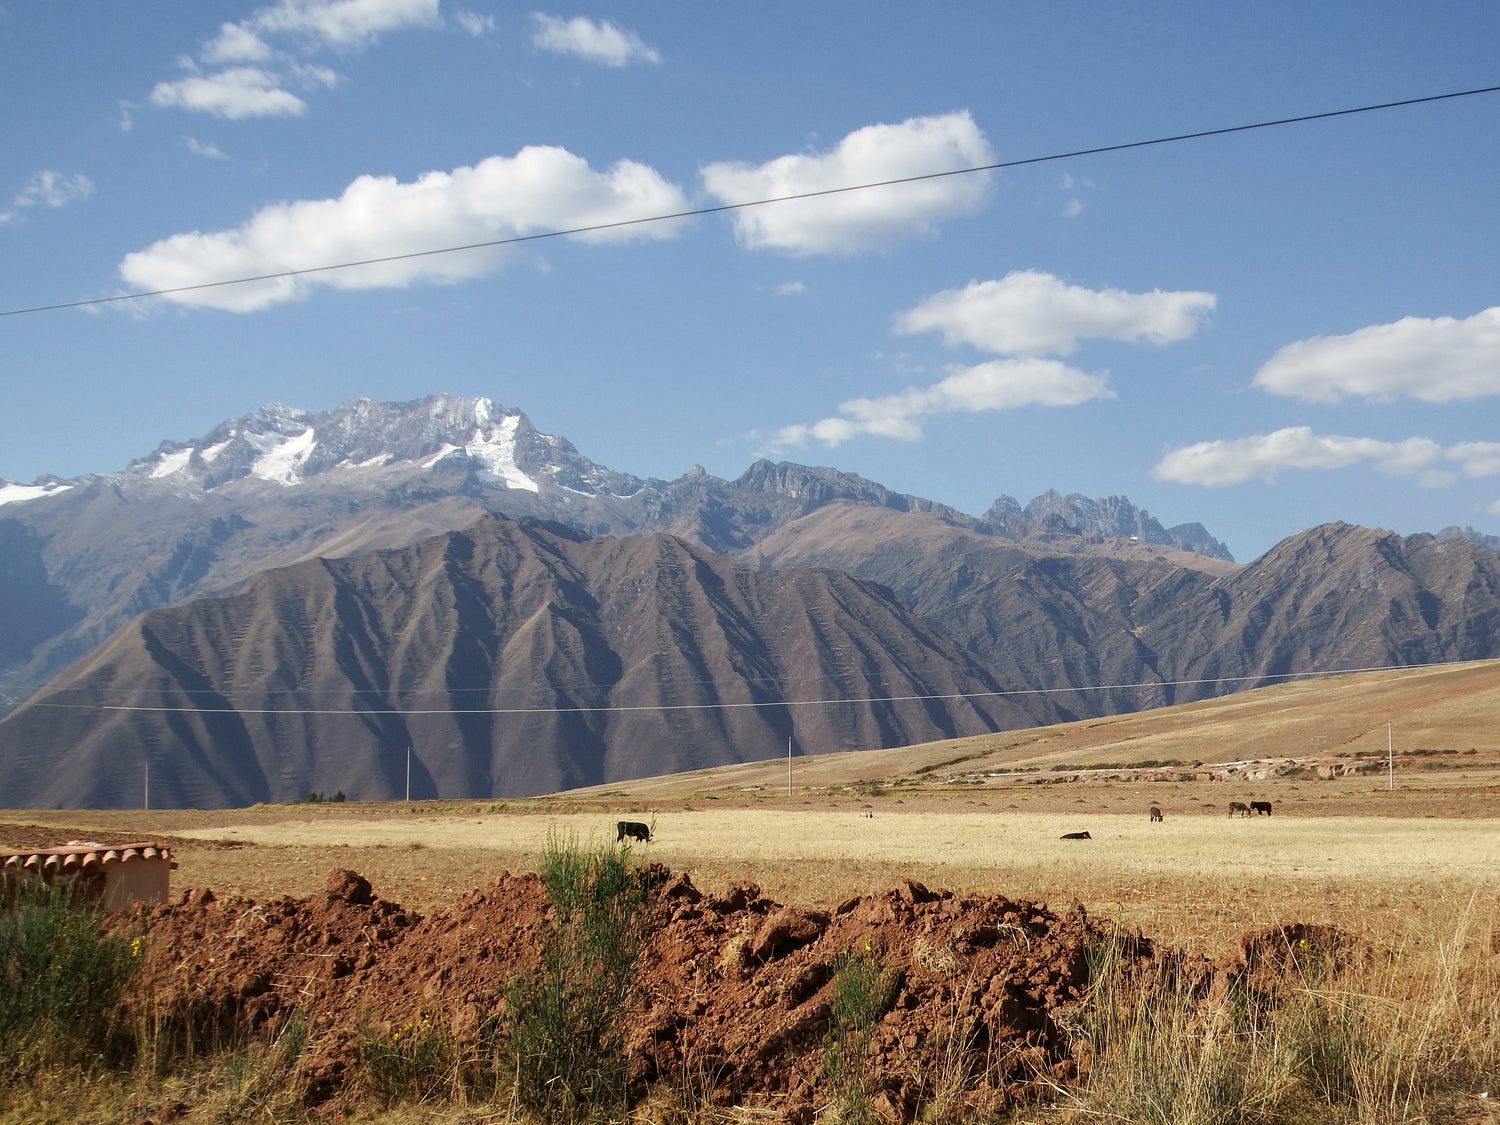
<point>539,189</point>
<point>47,189</point>
<point>855,221</point>
<point>1477,458</point>
<point>236,93</point>
<point>1001,384</point>
<point>240,73</point>
<point>1265,456</point>
<point>1437,360</point>
<point>236,43</point>
<point>1032,313</point>
<point>596,42</point>
<point>791,289</point>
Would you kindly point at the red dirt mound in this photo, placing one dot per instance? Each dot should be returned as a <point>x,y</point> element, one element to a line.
<point>737,990</point>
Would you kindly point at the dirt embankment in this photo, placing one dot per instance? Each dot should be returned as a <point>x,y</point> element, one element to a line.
<point>737,990</point>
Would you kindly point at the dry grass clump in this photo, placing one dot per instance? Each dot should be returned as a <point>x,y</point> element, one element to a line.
<point>1403,1033</point>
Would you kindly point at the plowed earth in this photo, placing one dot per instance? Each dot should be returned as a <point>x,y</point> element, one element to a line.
<point>736,1000</point>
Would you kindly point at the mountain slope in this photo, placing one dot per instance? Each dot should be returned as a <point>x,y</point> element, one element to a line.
<point>513,658</point>
<point>281,485</point>
<point>1143,626</point>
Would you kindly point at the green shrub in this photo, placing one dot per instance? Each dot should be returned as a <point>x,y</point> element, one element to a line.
<point>862,992</point>
<point>566,1020</point>
<point>61,975</point>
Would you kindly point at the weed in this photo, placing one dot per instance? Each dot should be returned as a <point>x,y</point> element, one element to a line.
<point>567,1019</point>
<point>255,1079</point>
<point>61,974</point>
<point>862,992</point>
<point>413,1062</point>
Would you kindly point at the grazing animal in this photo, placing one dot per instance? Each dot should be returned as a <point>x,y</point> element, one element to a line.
<point>1075,836</point>
<point>1238,807</point>
<point>1259,807</point>
<point>1155,815</point>
<point>632,828</point>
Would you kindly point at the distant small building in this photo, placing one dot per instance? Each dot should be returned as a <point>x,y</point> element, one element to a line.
<point>112,875</point>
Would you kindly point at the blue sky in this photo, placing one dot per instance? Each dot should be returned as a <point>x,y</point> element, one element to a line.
<point>1261,331</point>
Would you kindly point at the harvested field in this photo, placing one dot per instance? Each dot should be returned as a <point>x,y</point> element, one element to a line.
<point>383,919</point>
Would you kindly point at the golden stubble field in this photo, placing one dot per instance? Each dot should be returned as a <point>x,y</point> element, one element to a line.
<point>1355,855</point>
<point>1367,850</point>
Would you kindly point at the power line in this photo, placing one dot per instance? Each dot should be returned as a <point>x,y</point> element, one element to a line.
<point>724,207</point>
<point>619,708</point>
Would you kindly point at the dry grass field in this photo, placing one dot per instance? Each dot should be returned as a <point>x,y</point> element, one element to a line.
<point>1357,849</point>
<point>1405,858</point>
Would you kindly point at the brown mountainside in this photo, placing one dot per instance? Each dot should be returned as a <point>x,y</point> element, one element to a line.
<point>514,658</point>
<point>1133,626</point>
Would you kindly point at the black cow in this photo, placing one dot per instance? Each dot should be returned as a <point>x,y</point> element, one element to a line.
<point>632,828</point>
<point>1238,807</point>
<point>1259,807</point>
<point>1155,815</point>
<point>1075,836</point>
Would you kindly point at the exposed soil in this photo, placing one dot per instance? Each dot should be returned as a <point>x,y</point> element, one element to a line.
<point>737,989</point>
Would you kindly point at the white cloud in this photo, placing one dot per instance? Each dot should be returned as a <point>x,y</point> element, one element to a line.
<point>855,221</point>
<point>236,93</point>
<point>343,25</point>
<point>475,24</point>
<point>54,189</point>
<point>236,43</point>
<point>206,149</point>
<point>1001,384</point>
<point>539,189</point>
<point>597,42</point>
<point>1031,313</point>
<point>1477,458</point>
<point>1072,209</point>
<point>1265,456</point>
<point>247,76</point>
<point>791,289</point>
<point>1438,360</point>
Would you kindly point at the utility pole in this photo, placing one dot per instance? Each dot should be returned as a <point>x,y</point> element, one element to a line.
<point>1390,757</point>
<point>408,773</point>
<point>788,765</point>
<point>146,800</point>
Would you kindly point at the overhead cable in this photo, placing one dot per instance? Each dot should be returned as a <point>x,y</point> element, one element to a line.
<point>724,207</point>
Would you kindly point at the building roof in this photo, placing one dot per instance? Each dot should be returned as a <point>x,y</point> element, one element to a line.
<point>81,856</point>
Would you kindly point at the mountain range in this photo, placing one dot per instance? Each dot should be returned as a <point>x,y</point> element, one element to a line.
<point>80,557</point>
<point>293,601</point>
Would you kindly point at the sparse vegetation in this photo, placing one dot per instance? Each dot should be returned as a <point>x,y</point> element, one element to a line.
<point>415,1061</point>
<point>566,1020</point>
<point>862,993</point>
<point>61,974</point>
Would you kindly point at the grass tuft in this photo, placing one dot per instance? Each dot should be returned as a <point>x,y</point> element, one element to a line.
<point>61,975</point>
<point>566,1020</point>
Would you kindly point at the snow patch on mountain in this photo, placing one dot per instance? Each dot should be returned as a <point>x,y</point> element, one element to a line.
<point>172,463</point>
<point>281,461</point>
<point>496,451</point>
<point>15,493</point>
